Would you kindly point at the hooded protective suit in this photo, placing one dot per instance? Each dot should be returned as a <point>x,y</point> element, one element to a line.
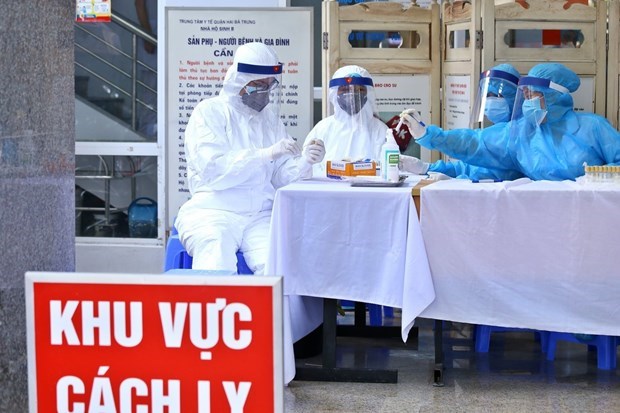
<point>231,143</point>
<point>495,100</point>
<point>353,131</point>
<point>545,139</point>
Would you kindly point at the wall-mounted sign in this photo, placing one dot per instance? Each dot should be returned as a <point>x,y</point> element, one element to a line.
<point>457,104</point>
<point>138,343</point>
<point>396,93</point>
<point>93,11</point>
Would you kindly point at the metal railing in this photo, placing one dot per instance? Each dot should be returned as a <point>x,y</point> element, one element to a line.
<point>108,54</point>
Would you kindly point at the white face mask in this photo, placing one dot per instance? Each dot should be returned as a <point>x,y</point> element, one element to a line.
<point>497,110</point>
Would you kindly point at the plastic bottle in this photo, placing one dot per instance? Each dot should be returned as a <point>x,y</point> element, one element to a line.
<point>389,158</point>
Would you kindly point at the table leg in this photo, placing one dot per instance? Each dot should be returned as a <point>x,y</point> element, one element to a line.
<point>328,371</point>
<point>438,338</point>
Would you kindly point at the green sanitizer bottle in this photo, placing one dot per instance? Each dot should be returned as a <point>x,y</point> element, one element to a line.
<point>390,154</point>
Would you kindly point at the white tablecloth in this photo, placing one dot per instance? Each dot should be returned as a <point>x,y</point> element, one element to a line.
<point>329,239</point>
<point>542,255</point>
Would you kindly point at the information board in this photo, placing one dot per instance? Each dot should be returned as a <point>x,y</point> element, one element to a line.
<point>136,342</point>
<point>583,97</point>
<point>457,105</point>
<point>396,93</point>
<point>200,45</point>
<point>93,11</point>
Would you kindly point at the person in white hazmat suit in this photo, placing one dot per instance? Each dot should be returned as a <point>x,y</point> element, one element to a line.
<point>238,153</point>
<point>353,132</point>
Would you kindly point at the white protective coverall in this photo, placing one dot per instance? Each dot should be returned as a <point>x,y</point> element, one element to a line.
<point>357,136</point>
<point>231,176</point>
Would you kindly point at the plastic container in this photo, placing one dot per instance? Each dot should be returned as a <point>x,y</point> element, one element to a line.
<point>142,216</point>
<point>390,155</point>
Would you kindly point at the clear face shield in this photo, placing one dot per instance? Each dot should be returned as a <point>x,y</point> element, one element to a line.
<point>534,95</point>
<point>494,100</point>
<point>352,98</point>
<point>349,94</point>
<point>263,92</point>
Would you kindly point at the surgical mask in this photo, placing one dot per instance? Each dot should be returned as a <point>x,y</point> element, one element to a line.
<point>532,110</point>
<point>497,110</point>
<point>256,100</point>
<point>351,102</point>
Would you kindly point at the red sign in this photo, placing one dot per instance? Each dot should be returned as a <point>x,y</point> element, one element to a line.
<point>154,343</point>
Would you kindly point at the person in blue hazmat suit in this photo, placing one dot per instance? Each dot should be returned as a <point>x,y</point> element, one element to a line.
<point>545,139</point>
<point>238,153</point>
<point>493,105</point>
<point>354,132</point>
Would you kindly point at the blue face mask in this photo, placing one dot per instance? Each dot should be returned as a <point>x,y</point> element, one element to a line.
<point>497,110</point>
<point>533,111</point>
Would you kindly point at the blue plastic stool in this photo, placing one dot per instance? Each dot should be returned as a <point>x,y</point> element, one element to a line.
<point>605,347</point>
<point>177,256</point>
<point>376,312</point>
<point>483,336</point>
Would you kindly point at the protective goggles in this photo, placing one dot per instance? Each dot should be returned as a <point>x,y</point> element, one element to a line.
<point>261,87</point>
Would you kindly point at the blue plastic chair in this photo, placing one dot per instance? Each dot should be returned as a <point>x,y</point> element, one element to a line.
<point>178,258</point>
<point>483,336</point>
<point>606,357</point>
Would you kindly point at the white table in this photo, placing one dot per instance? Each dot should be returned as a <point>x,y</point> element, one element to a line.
<point>331,240</point>
<point>541,255</point>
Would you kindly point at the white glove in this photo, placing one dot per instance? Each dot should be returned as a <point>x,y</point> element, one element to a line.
<point>315,151</point>
<point>286,146</point>
<point>411,118</point>
<point>412,164</point>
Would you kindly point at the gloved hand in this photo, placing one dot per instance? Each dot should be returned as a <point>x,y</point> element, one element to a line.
<point>412,164</point>
<point>286,146</point>
<point>412,119</point>
<point>314,152</point>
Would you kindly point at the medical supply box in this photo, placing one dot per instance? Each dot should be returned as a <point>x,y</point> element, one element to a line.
<point>349,168</point>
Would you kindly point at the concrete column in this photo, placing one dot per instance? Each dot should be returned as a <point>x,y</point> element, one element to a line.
<point>37,141</point>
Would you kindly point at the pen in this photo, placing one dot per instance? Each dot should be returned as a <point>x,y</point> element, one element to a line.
<point>485,181</point>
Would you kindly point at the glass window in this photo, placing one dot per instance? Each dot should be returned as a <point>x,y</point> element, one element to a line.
<point>384,39</point>
<point>539,38</point>
<point>115,196</point>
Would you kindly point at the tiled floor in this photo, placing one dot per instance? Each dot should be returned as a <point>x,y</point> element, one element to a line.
<point>513,376</point>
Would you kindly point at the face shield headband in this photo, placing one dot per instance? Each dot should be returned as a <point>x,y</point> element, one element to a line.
<point>257,92</point>
<point>273,70</point>
<point>492,102</point>
<point>542,83</point>
<point>531,102</point>
<point>351,94</point>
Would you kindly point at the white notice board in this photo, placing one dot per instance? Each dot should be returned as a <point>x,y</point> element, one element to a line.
<point>457,104</point>
<point>583,97</point>
<point>200,45</point>
<point>396,93</point>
